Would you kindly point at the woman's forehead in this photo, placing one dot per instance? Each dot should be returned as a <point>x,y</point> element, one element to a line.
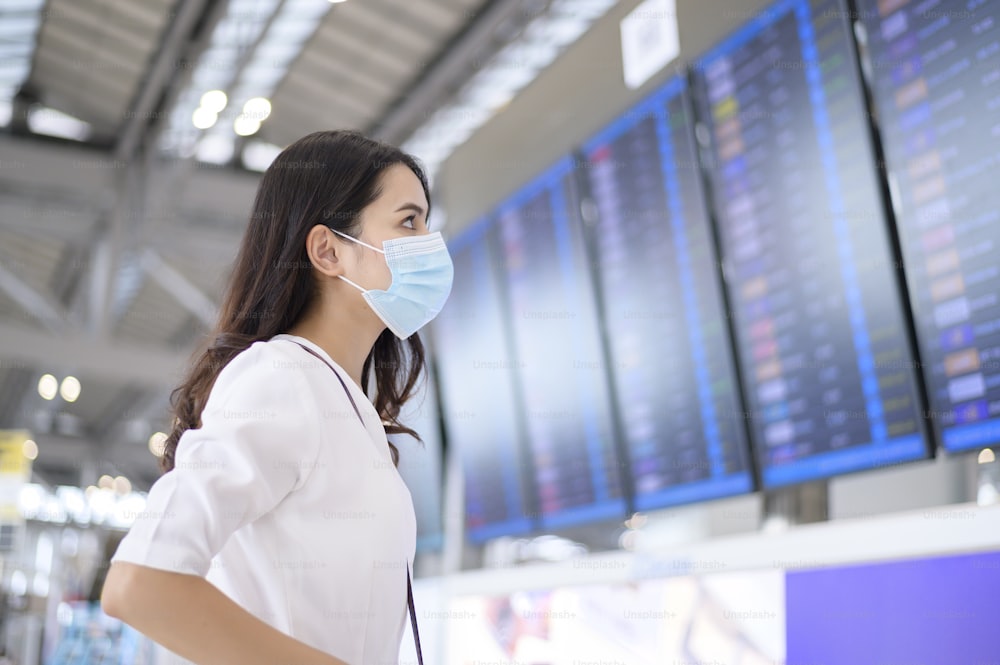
<point>400,185</point>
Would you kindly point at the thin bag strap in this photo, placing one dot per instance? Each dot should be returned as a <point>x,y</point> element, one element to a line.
<point>339,378</point>
<point>409,587</point>
<point>413,616</point>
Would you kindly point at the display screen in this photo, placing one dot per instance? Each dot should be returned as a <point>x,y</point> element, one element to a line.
<point>663,307</point>
<point>564,395</point>
<point>821,325</point>
<point>420,464</point>
<point>914,611</point>
<point>475,369</point>
<point>935,75</point>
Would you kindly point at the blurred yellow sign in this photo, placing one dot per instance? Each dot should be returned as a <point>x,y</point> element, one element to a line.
<point>15,471</point>
<point>12,459</point>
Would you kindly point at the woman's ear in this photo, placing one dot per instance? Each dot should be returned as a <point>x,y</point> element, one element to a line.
<point>324,248</point>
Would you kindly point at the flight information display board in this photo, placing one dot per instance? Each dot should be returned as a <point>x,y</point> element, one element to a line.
<point>565,398</point>
<point>821,326</point>
<point>664,310</point>
<point>935,77</point>
<point>477,392</point>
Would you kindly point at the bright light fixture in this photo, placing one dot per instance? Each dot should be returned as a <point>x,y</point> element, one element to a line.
<point>157,443</point>
<point>250,50</point>
<point>203,117</point>
<point>30,449</point>
<point>122,485</point>
<point>214,100</point>
<point>986,456</point>
<point>70,388</point>
<point>245,125</point>
<point>257,108</point>
<point>49,122</point>
<point>105,482</point>
<point>48,386</point>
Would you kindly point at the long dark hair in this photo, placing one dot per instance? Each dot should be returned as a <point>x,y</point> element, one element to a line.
<point>323,178</point>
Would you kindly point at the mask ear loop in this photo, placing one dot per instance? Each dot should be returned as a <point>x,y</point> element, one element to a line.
<point>363,290</point>
<point>360,242</point>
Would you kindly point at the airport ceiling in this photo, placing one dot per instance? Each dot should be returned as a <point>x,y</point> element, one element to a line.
<point>114,247</point>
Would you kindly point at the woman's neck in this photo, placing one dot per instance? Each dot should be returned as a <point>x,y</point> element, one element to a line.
<point>347,342</point>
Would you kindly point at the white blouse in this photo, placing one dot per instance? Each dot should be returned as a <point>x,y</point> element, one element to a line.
<point>288,505</point>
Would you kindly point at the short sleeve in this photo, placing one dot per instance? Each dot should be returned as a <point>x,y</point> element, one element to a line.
<point>258,441</point>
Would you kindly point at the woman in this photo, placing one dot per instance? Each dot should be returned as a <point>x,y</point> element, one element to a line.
<point>282,532</point>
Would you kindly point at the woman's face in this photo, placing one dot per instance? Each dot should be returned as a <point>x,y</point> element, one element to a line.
<point>400,211</point>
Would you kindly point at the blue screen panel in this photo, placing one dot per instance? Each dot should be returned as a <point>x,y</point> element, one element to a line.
<point>664,311</point>
<point>935,77</point>
<point>477,391</point>
<point>822,329</point>
<point>551,309</point>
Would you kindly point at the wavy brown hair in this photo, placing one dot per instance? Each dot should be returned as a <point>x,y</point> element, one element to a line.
<point>323,178</point>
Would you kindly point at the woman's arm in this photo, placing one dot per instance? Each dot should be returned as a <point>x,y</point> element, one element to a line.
<point>191,617</point>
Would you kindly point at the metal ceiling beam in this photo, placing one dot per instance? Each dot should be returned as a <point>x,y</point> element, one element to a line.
<point>456,64</point>
<point>62,170</point>
<point>184,37</point>
<point>39,305</point>
<point>38,214</point>
<point>158,77</point>
<point>180,287</point>
<point>109,246</point>
<point>114,360</point>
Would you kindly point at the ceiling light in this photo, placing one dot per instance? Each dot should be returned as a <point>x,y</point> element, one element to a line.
<point>105,482</point>
<point>122,485</point>
<point>30,449</point>
<point>214,100</point>
<point>203,117</point>
<point>48,386</point>
<point>158,443</point>
<point>249,53</point>
<point>986,456</point>
<point>245,125</point>
<point>49,122</point>
<point>258,108</point>
<point>70,388</point>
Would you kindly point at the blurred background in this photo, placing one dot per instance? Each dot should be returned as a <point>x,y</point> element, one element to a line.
<point>719,378</point>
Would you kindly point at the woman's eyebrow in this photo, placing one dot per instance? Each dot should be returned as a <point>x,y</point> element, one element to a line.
<point>411,206</point>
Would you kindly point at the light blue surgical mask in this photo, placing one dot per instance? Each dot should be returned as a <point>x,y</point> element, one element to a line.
<point>422,273</point>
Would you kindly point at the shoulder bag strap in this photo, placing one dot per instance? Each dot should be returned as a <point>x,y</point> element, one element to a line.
<point>409,587</point>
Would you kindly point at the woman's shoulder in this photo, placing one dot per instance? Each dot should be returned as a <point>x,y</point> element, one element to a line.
<point>266,370</point>
<point>262,360</point>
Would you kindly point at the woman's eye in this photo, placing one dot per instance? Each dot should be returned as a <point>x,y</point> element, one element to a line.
<point>408,222</point>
